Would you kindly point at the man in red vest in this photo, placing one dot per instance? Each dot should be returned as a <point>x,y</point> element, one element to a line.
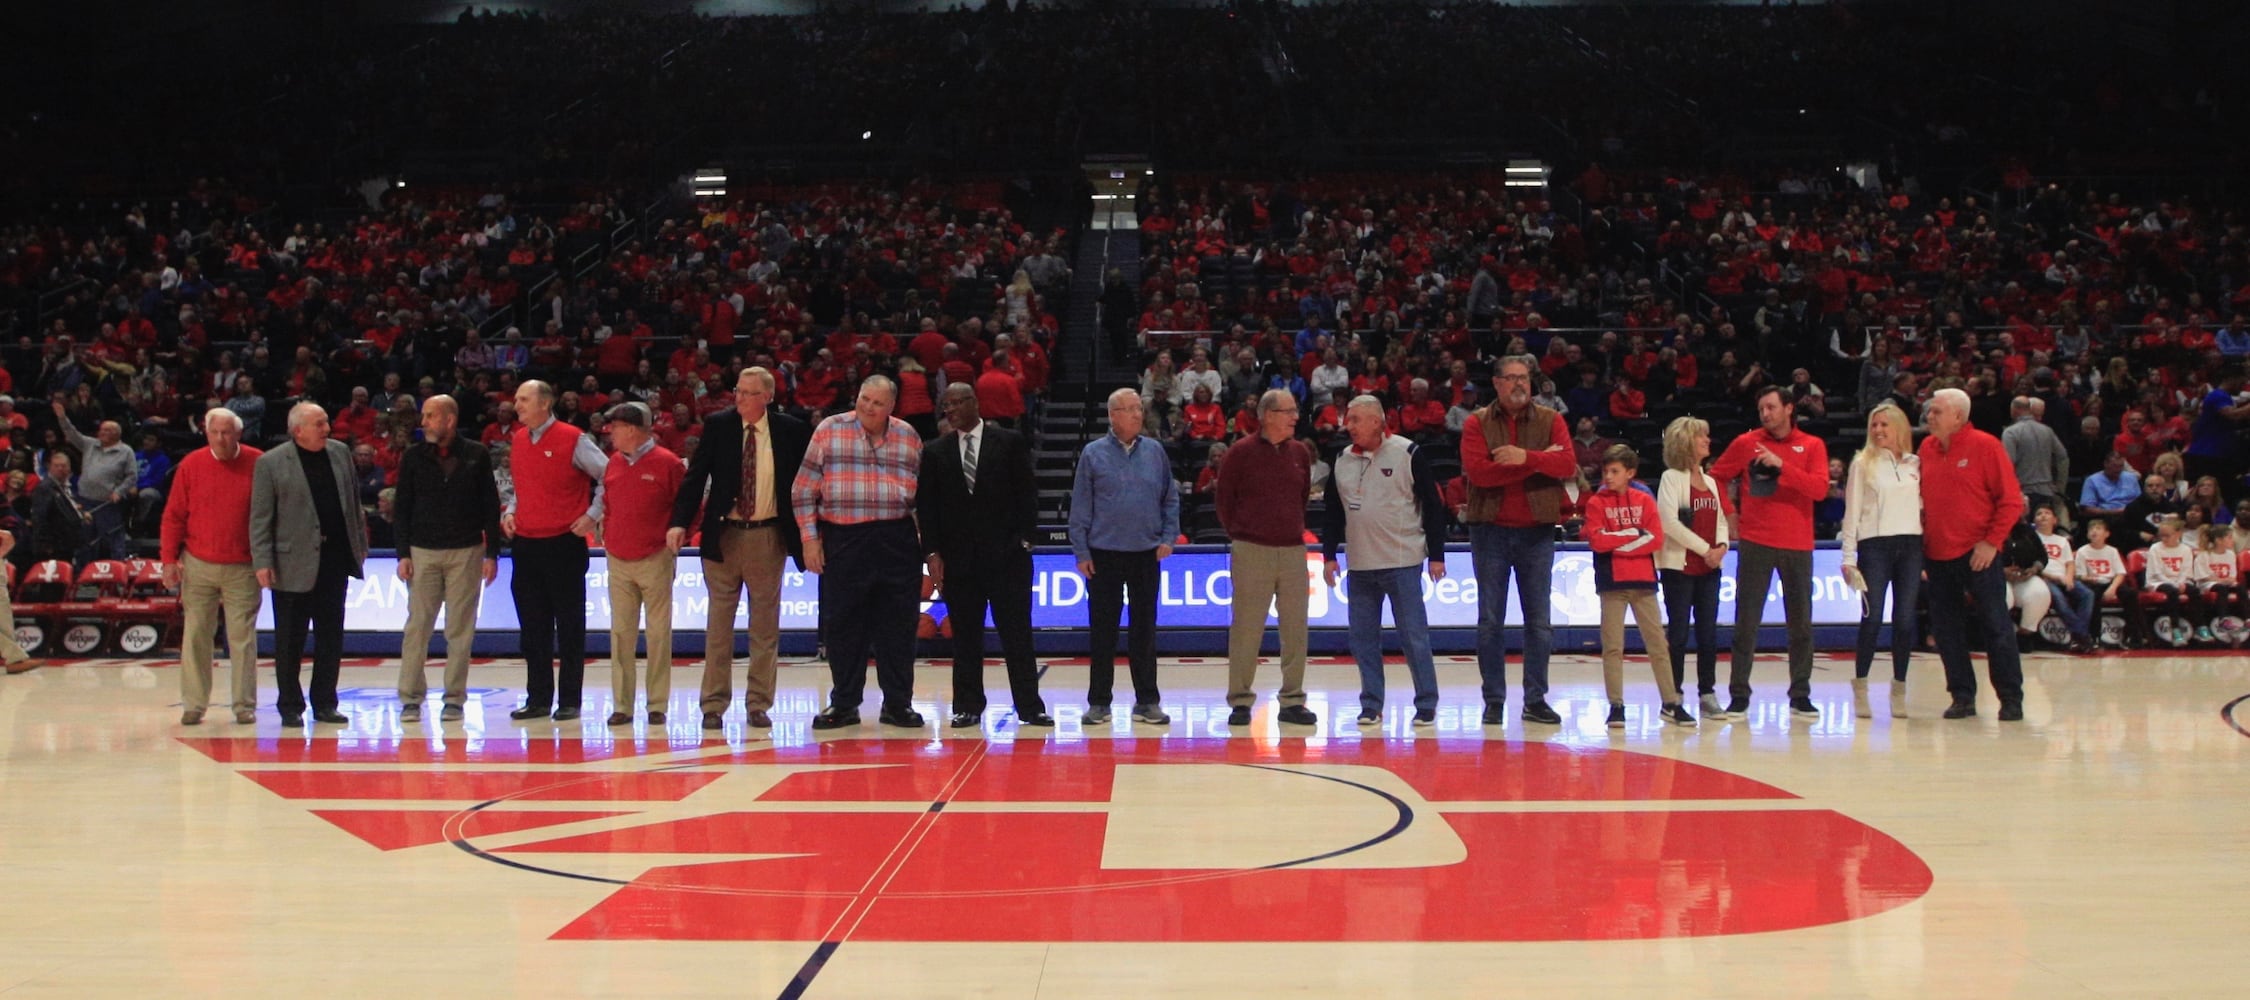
<point>641,481</point>
<point>553,507</point>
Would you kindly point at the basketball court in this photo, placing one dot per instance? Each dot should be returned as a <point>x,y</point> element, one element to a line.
<point>2092,850</point>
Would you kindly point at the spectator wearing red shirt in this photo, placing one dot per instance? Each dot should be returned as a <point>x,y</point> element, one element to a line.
<point>2134,444</point>
<point>356,423</point>
<point>1205,419</point>
<point>816,386</point>
<point>1966,476</point>
<point>1419,414</point>
<point>1627,402</point>
<point>1000,392</point>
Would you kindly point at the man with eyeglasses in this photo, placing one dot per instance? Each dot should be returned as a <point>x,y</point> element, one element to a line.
<point>1516,455</point>
<point>1263,483</point>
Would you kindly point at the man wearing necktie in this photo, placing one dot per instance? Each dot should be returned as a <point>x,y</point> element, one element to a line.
<point>978,507</point>
<point>748,457</point>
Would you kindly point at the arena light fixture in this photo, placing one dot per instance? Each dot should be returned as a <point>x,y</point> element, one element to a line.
<point>711,182</point>
<point>1525,174</point>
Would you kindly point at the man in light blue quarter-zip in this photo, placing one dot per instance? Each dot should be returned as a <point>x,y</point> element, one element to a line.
<point>1124,514</point>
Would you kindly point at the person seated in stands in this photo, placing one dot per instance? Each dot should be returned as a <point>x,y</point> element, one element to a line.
<point>1204,418</point>
<point>1587,441</point>
<point>1811,403</point>
<point>1419,416</point>
<point>1627,402</point>
<point>1463,410</point>
<point>1587,397</point>
<point>1207,474</point>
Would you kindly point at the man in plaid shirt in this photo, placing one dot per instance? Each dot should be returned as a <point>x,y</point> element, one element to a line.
<point>854,502</point>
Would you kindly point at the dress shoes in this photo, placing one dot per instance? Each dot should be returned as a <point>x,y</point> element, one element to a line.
<point>965,720</point>
<point>331,717</point>
<point>528,712</point>
<point>450,713</point>
<point>565,714</point>
<point>1239,715</point>
<point>245,716</point>
<point>714,721</point>
<point>905,718</point>
<point>835,719</point>
<point>26,665</point>
<point>292,720</point>
<point>1041,719</point>
<point>192,717</point>
<point>656,717</point>
<point>758,720</point>
<point>620,718</point>
<point>410,713</point>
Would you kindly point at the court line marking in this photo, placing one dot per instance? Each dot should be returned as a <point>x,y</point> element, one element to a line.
<point>2227,713</point>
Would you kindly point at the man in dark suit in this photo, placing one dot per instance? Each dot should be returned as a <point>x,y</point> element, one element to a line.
<point>978,506</point>
<point>308,539</point>
<point>748,531</point>
<point>59,529</point>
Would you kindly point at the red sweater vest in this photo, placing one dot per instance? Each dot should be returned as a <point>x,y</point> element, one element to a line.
<point>550,492</point>
<point>637,502</point>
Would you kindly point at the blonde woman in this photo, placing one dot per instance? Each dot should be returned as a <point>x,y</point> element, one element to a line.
<point>1881,539</point>
<point>1694,514</point>
<point>1016,302</point>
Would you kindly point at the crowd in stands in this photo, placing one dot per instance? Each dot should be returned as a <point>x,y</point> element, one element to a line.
<point>2104,341</point>
<point>464,293</point>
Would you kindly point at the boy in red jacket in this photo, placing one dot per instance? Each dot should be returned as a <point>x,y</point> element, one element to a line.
<point>1623,528</point>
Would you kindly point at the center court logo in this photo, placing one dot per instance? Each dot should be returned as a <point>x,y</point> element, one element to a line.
<point>1109,840</point>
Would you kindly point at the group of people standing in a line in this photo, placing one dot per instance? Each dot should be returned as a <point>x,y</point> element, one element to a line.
<point>862,502</point>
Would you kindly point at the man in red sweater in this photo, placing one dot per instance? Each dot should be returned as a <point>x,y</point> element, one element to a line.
<point>1516,456</point>
<point>639,486</point>
<point>205,547</point>
<point>1970,501</point>
<point>1783,472</point>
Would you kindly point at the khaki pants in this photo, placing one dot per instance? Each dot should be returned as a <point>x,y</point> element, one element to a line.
<point>633,585</point>
<point>753,557</point>
<point>205,588</point>
<point>455,579</point>
<point>1264,574</point>
<point>1649,620</point>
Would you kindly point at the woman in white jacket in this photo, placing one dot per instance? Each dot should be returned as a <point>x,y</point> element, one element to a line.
<point>1694,514</point>
<point>1882,546</point>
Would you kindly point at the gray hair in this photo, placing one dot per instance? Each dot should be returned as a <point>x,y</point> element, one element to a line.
<point>880,382</point>
<point>544,391</point>
<point>1530,364</point>
<point>222,415</point>
<point>297,414</point>
<point>1127,394</point>
<point>1954,400</point>
<point>1272,401</point>
<point>1363,401</point>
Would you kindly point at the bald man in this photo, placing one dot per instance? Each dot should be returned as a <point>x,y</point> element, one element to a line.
<point>308,537</point>
<point>107,482</point>
<point>446,515</point>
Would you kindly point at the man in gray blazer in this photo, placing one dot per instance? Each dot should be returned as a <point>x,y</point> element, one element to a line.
<point>307,537</point>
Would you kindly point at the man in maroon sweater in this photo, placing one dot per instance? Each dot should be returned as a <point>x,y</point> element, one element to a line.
<point>1263,483</point>
<point>1970,501</point>
<point>205,546</point>
<point>1783,472</point>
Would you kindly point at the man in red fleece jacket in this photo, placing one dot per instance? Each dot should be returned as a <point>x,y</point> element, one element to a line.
<point>1783,472</point>
<point>1970,501</point>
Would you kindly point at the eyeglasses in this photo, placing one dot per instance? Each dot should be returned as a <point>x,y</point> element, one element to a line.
<point>1515,378</point>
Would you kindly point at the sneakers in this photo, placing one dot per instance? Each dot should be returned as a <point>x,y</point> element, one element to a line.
<point>1425,718</point>
<point>1297,715</point>
<point>1803,708</point>
<point>450,713</point>
<point>1678,715</point>
<point>1496,714</point>
<point>1961,710</point>
<point>1368,717</point>
<point>1898,699</point>
<point>1096,715</point>
<point>1152,715</point>
<point>1738,709</point>
<point>1711,707</point>
<point>1860,707</point>
<point>1616,716</point>
<point>410,712</point>
<point>1539,712</point>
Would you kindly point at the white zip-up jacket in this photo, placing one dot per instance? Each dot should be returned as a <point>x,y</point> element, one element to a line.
<point>1680,539</point>
<point>1882,496</point>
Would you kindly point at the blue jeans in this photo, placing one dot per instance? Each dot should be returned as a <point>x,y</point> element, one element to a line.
<point>2076,606</point>
<point>1366,589</point>
<point>1529,555</point>
<point>1687,596</point>
<point>1950,581</point>
<point>1893,563</point>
